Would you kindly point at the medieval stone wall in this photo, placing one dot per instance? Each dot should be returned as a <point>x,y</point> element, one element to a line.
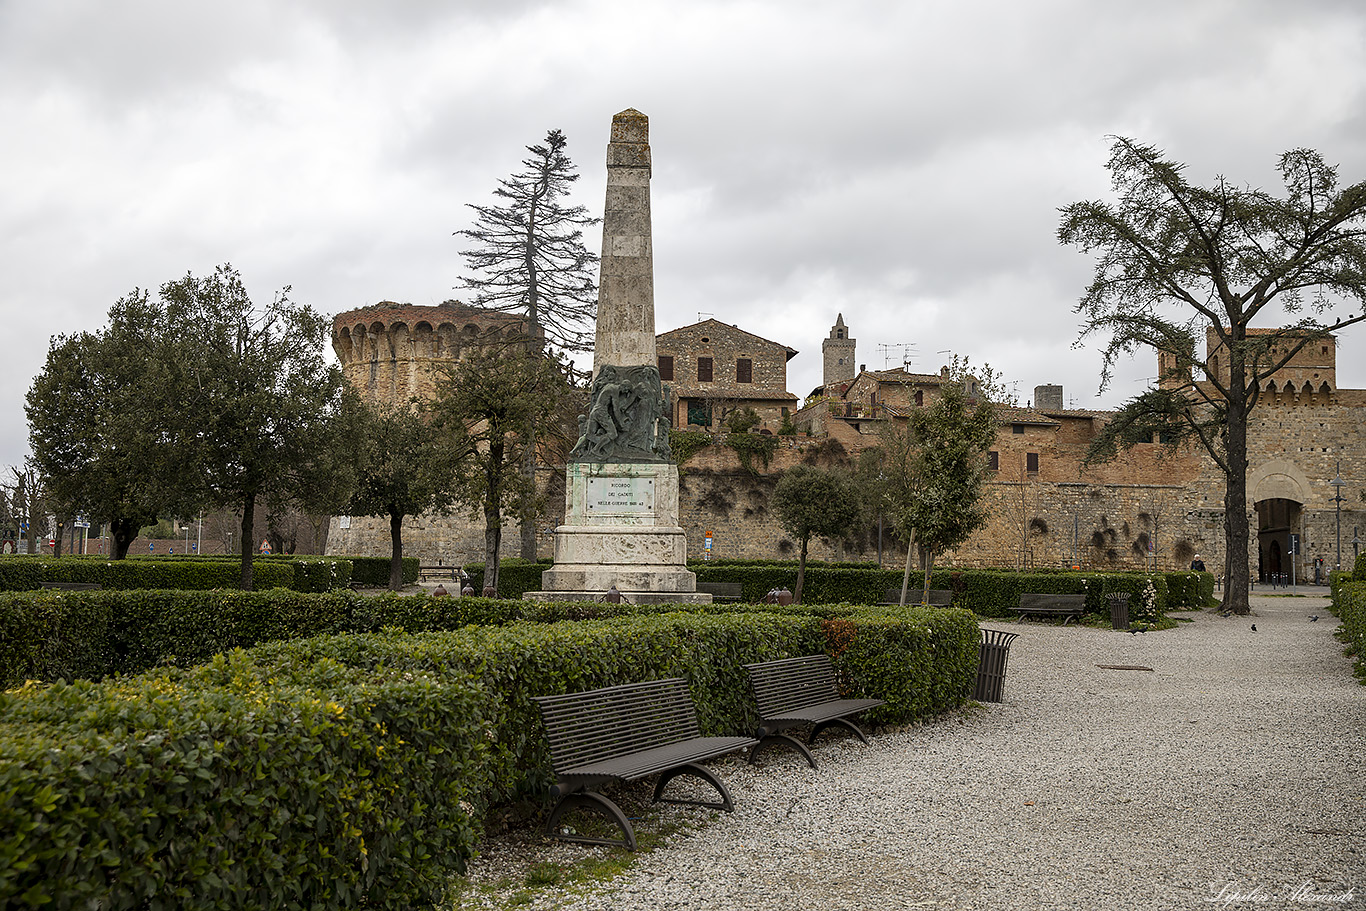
<point>392,352</point>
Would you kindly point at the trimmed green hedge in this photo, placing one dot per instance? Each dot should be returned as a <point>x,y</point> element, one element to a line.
<point>52,635</point>
<point>1349,603</point>
<point>48,636</point>
<point>351,771</point>
<point>989,593</point>
<point>374,571</point>
<point>221,787</point>
<point>515,577</point>
<point>923,662</point>
<point>315,574</point>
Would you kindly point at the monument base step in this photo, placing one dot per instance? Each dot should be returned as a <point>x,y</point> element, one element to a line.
<point>628,597</point>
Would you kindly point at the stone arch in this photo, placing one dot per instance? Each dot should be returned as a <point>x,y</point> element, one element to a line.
<point>1278,479</point>
<point>1325,390</point>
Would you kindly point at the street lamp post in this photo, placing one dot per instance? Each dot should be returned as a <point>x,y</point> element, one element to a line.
<point>1338,483</point>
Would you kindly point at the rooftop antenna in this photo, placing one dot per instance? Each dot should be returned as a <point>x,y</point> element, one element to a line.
<point>700,314</point>
<point>907,353</point>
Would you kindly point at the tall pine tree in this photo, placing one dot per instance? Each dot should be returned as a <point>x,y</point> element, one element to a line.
<point>527,256</point>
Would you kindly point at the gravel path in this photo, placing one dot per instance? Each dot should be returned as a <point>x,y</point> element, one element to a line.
<point>1231,774</point>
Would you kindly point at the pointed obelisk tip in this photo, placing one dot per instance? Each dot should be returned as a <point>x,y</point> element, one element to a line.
<point>630,126</point>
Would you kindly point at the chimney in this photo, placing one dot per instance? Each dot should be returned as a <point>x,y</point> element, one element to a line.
<point>1048,398</point>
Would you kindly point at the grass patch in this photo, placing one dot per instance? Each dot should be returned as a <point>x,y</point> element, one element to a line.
<point>520,866</point>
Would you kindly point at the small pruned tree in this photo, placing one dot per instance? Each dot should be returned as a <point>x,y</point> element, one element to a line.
<point>1179,262</point>
<point>406,467</point>
<point>491,403</point>
<point>935,467</point>
<point>814,502</point>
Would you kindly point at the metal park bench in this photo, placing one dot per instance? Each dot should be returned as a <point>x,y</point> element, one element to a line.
<point>939,597</point>
<point>795,692</point>
<point>722,591</point>
<point>1068,607</point>
<point>428,573</point>
<point>625,733</point>
<point>72,586</point>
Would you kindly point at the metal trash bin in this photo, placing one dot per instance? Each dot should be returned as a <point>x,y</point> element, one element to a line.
<point>1119,610</point>
<point>991,667</point>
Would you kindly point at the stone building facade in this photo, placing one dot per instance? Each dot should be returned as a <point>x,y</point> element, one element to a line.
<point>714,368</point>
<point>1151,507</point>
<point>391,353</point>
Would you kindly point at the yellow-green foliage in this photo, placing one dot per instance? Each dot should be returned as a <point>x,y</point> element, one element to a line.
<point>224,787</point>
<point>353,770</point>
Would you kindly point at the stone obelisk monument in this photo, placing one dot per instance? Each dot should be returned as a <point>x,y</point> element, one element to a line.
<point>621,503</point>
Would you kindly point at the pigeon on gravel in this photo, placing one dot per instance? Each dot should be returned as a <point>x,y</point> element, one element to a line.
<point>1314,619</point>
<point>1254,627</point>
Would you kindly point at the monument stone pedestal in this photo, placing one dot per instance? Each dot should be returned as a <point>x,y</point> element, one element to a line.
<point>621,529</point>
<point>621,494</point>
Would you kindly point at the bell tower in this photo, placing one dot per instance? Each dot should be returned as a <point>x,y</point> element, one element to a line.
<point>838,352</point>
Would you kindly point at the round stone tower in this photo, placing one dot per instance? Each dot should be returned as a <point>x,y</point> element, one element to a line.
<point>838,351</point>
<point>389,352</point>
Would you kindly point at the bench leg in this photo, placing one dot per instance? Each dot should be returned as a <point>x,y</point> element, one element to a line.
<point>696,771</point>
<point>591,800</point>
<point>781,739</point>
<point>842,722</point>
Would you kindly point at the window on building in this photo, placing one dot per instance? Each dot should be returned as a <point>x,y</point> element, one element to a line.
<point>699,412</point>
<point>744,370</point>
<point>1017,428</point>
<point>1031,461</point>
<point>994,461</point>
<point>666,367</point>
<point>920,397</point>
<point>704,371</point>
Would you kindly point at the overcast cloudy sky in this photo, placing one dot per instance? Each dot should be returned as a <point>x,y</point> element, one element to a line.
<point>899,162</point>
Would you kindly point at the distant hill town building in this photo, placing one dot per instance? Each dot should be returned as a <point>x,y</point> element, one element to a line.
<point>1151,507</point>
<point>715,368</point>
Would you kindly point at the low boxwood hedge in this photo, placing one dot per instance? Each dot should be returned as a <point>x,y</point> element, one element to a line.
<point>352,771</point>
<point>1349,603</point>
<point>315,574</point>
<point>989,593</point>
<point>89,635</point>
<point>921,661</point>
<point>219,787</point>
<point>374,571</point>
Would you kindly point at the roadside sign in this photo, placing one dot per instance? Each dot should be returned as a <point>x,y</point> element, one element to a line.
<point>706,545</point>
